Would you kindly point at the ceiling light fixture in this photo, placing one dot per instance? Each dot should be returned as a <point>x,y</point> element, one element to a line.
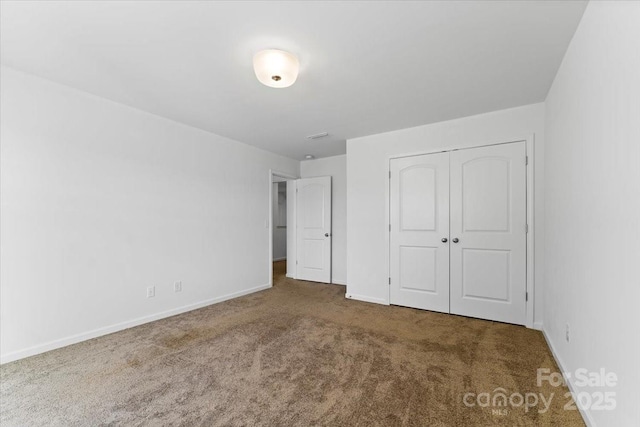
<point>309,156</point>
<point>276,68</point>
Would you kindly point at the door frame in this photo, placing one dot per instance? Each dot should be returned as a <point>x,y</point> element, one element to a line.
<point>288,177</point>
<point>529,141</point>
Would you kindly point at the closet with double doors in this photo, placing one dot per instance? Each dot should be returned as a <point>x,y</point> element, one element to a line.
<point>459,232</point>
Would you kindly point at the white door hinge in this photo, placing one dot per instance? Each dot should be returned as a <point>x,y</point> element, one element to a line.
<point>526,296</point>
<point>389,280</point>
<point>526,228</point>
<point>389,174</point>
<point>526,160</point>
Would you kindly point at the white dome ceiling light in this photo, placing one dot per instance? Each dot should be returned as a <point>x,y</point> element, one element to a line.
<point>276,68</point>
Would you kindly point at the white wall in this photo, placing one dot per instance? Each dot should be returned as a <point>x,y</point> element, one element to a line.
<point>279,217</point>
<point>336,167</point>
<point>593,205</point>
<point>367,188</point>
<point>100,201</point>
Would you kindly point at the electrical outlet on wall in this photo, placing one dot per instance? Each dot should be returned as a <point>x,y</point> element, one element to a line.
<point>151,291</point>
<point>177,286</point>
<point>566,334</point>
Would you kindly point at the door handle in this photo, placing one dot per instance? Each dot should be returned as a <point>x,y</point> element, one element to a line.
<point>455,240</point>
<point>327,234</point>
<point>444,240</point>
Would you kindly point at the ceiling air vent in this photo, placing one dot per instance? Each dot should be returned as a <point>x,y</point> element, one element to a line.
<point>318,135</point>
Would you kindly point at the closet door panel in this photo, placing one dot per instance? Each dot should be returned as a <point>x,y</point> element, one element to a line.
<point>419,221</point>
<point>488,232</point>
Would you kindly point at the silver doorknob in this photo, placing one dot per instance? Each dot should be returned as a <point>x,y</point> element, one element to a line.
<point>444,240</point>
<point>326,234</point>
<point>455,240</point>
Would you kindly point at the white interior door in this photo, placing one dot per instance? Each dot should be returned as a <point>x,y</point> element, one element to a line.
<point>420,232</point>
<point>313,229</point>
<point>488,232</point>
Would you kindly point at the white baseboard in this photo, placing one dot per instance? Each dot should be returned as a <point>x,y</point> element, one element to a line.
<point>280,259</point>
<point>585,415</point>
<point>537,326</point>
<point>74,339</point>
<point>366,299</point>
<point>339,282</point>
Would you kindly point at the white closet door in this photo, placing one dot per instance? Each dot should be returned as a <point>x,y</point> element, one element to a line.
<point>488,232</point>
<point>313,232</point>
<point>419,223</point>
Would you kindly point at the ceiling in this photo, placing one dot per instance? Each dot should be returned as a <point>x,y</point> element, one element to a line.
<point>366,67</point>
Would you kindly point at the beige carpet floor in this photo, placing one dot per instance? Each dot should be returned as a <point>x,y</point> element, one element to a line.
<point>297,354</point>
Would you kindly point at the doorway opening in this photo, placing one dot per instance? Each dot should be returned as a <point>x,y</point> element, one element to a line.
<point>281,228</point>
<point>299,227</point>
